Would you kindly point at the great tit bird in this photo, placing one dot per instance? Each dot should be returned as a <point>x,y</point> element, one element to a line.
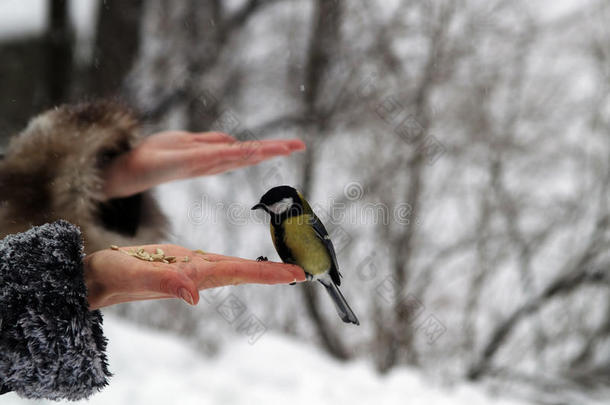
<point>300,238</point>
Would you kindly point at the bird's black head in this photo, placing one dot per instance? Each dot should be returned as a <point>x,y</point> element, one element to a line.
<point>281,202</point>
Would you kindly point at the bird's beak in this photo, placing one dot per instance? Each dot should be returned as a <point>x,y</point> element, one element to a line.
<point>257,206</point>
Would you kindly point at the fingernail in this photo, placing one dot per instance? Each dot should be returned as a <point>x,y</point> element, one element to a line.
<point>186,296</point>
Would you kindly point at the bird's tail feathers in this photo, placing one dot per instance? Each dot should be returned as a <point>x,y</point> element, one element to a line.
<point>343,309</point>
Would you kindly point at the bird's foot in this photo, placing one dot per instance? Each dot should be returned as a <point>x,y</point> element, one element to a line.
<point>262,259</point>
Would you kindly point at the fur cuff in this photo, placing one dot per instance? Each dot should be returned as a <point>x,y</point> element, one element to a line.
<point>51,345</point>
<point>52,170</point>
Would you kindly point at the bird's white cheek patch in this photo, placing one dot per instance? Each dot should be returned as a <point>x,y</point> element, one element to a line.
<point>281,206</point>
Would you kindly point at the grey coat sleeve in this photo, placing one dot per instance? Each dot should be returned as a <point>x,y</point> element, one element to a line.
<point>51,344</point>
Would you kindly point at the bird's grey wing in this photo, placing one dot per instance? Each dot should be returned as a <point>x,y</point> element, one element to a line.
<point>322,233</point>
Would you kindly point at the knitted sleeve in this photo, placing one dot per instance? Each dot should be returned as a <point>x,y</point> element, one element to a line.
<point>51,344</point>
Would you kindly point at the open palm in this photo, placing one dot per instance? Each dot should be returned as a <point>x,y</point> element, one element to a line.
<point>175,155</point>
<point>113,276</point>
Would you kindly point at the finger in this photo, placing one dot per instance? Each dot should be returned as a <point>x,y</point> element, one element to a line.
<point>236,164</point>
<point>296,144</point>
<point>213,137</point>
<point>206,156</point>
<point>165,280</point>
<point>214,257</point>
<point>248,159</point>
<point>292,144</point>
<point>240,272</point>
<point>233,164</point>
<point>216,159</point>
<point>240,150</point>
<point>251,148</point>
<point>255,158</point>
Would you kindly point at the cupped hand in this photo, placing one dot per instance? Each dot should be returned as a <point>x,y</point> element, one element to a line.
<point>175,155</point>
<point>113,276</point>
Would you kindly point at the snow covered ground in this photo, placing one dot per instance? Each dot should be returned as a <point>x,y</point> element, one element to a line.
<point>152,367</point>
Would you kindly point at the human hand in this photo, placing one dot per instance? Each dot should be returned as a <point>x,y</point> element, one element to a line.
<point>113,277</point>
<point>175,155</point>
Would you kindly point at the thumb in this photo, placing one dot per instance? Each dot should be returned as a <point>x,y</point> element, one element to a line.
<point>180,286</point>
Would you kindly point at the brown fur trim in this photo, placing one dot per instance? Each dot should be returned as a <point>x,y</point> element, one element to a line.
<point>52,170</point>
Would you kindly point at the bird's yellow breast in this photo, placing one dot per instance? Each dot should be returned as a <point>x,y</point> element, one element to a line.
<point>307,249</point>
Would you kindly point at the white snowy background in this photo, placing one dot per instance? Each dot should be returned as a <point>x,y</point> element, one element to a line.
<point>153,367</point>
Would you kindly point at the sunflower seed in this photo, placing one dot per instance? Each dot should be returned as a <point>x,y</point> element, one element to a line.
<point>140,253</point>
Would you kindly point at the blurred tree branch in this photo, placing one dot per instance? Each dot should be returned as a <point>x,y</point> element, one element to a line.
<point>573,277</point>
<point>112,58</point>
<point>60,40</point>
<point>322,47</point>
<point>402,244</point>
